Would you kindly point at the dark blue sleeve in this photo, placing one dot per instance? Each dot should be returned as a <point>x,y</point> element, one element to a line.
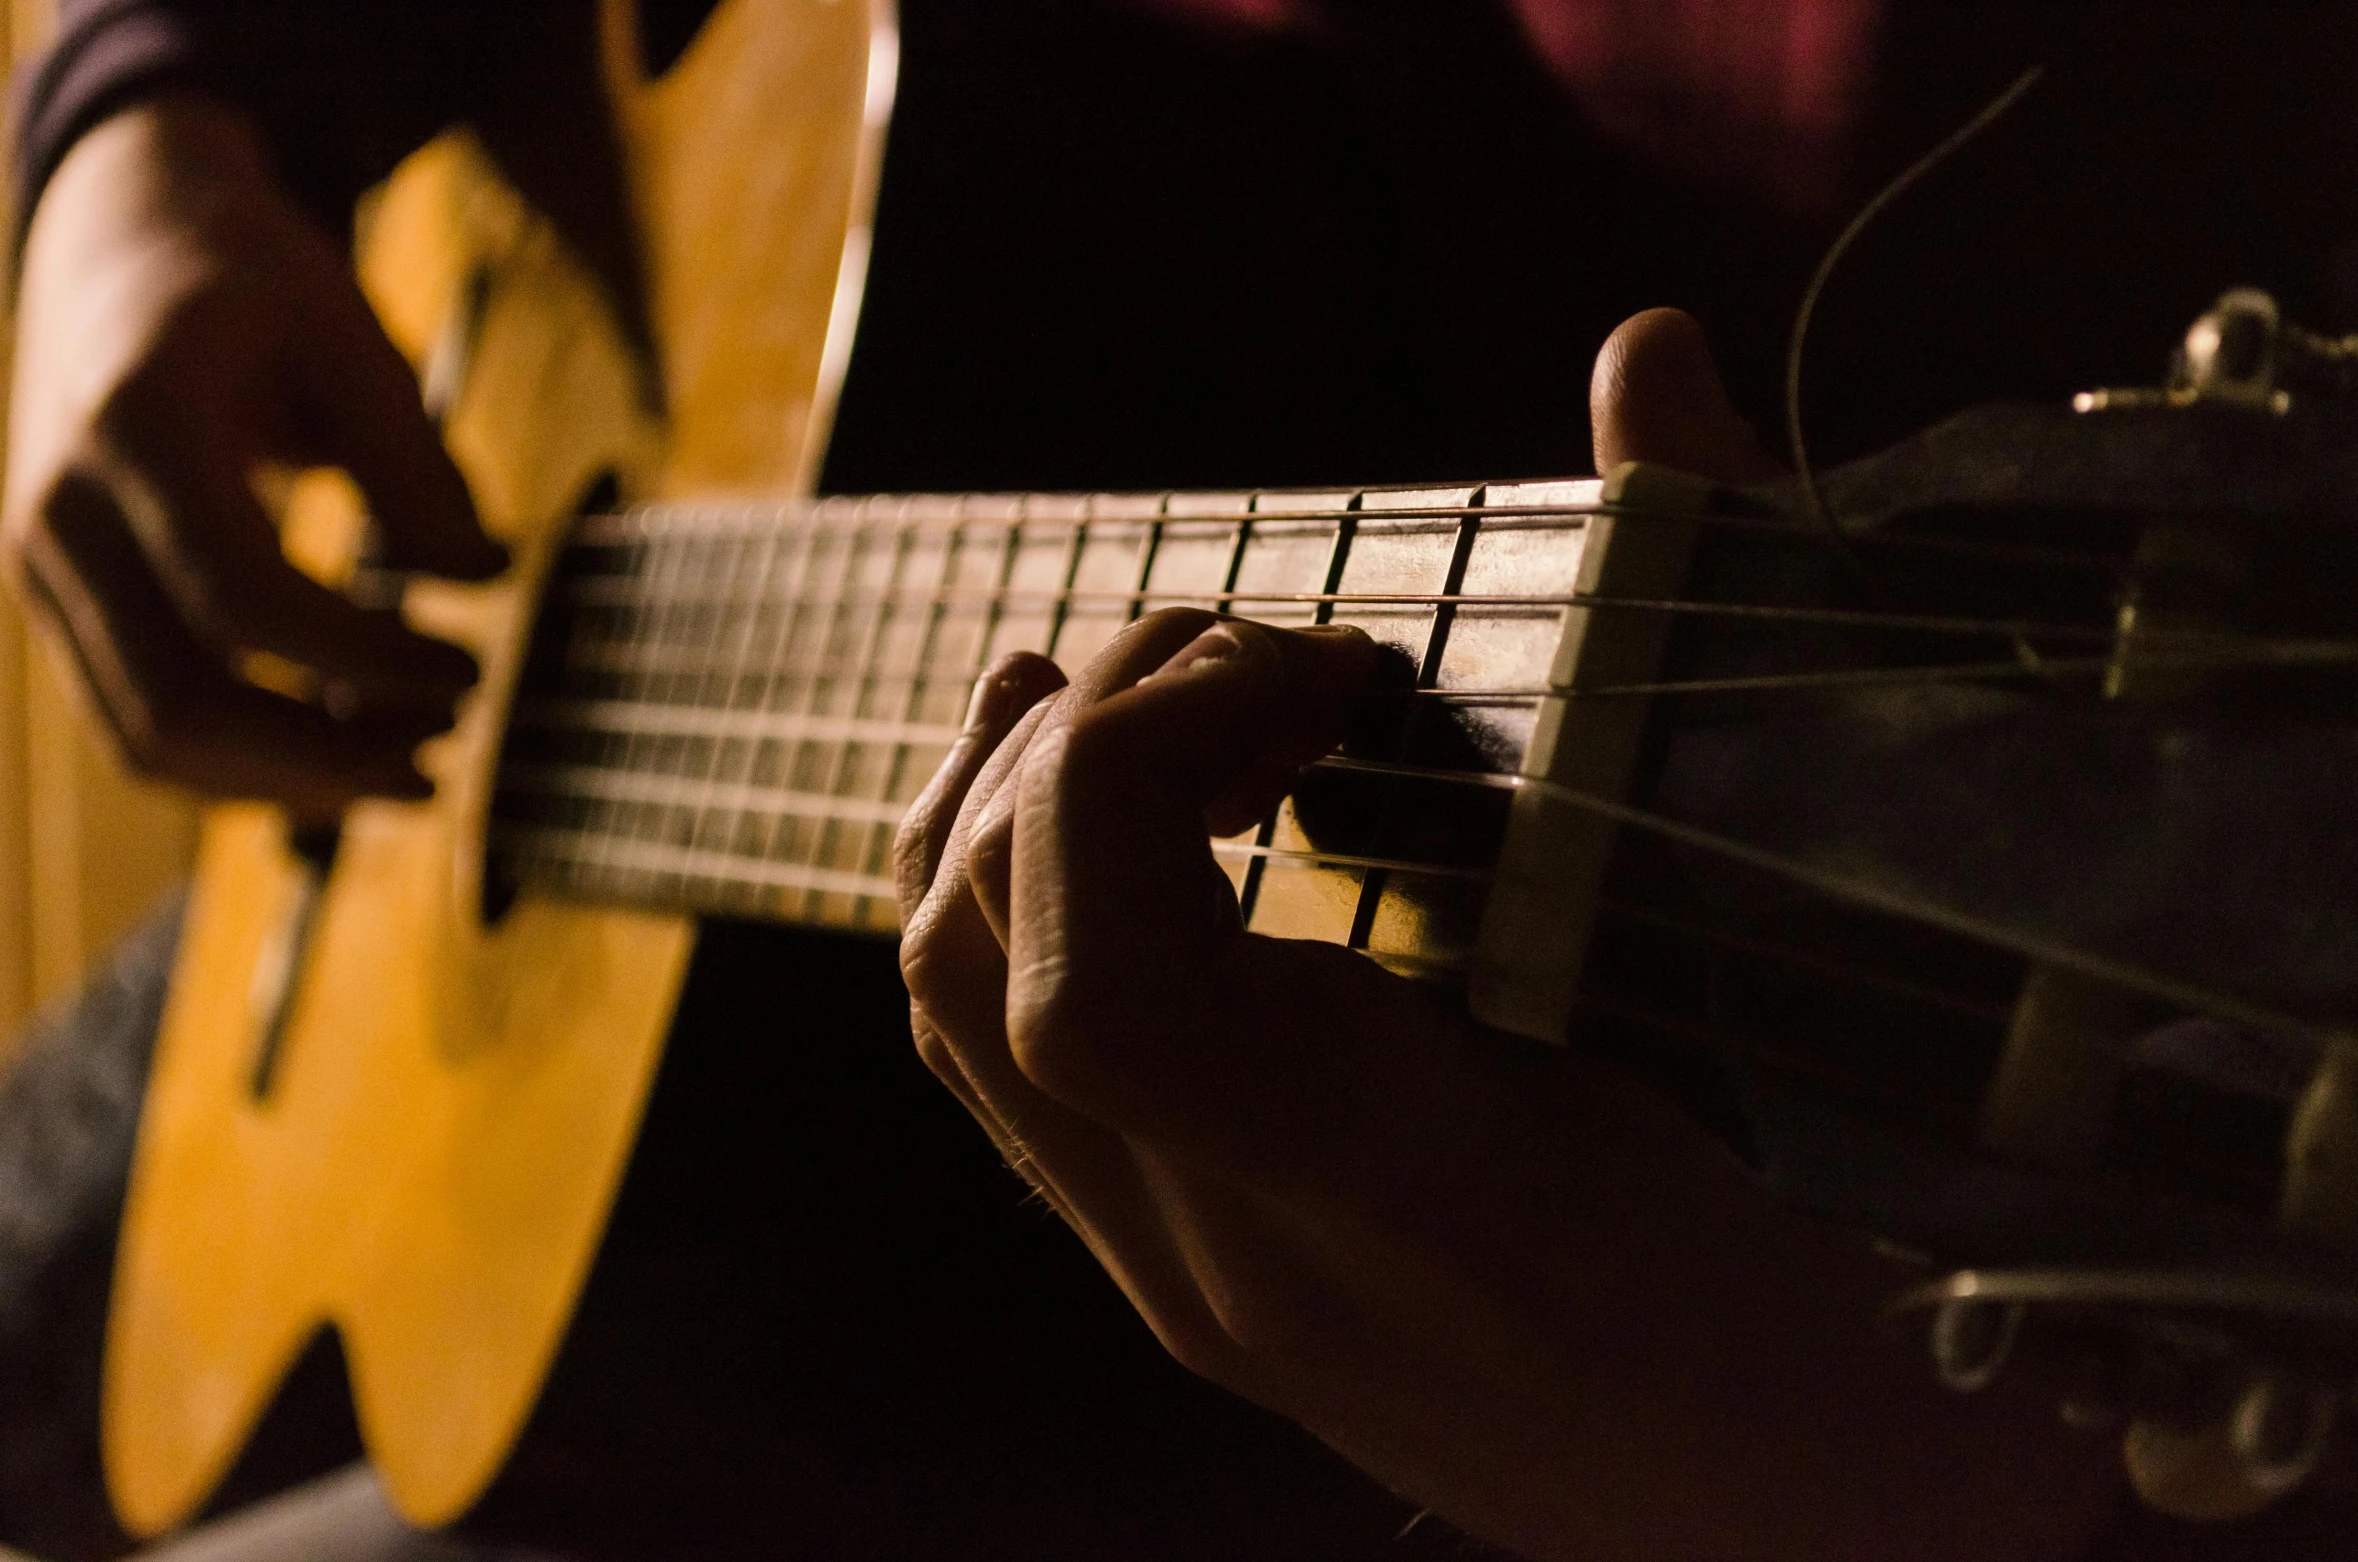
<point>341,89</point>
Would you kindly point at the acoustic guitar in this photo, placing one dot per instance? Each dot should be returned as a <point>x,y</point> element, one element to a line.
<point>1675,772</point>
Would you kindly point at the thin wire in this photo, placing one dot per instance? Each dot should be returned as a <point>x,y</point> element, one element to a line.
<point>684,527</point>
<point>1859,976</point>
<point>1876,897</point>
<point>1794,353</point>
<point>986,597</point>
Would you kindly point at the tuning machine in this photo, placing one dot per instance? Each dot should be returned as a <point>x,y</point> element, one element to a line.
<point>2228,1392</point>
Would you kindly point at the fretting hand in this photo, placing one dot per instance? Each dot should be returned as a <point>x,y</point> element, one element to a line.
<point>1506,1279</point>
<point>179,323</point>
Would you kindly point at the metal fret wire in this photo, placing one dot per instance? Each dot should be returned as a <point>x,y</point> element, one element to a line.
<point>795,621</point>
<point>1995,628</point>
<point>632,526</point>
<point>1373,880</point>
<point>855,554</point>
<point>640,724</point>
<point>1338,556</point>
<point>643,725</point>
<point>652,723</point>
<point>644,618</point>
<point>866,623</point>
<point>742,692</point>
<point>888,814</point>
<point>654,861</point>
<point>702,810</point>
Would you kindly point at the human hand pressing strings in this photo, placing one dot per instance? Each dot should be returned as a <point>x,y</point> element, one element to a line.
<point>1506,1279</point>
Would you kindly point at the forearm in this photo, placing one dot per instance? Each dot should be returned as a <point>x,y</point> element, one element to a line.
<point>1784,1414</point>
<point>340,90</point>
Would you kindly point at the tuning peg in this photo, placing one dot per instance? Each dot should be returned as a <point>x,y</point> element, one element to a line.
<point>1972,1340</point>
<point>2279,1432</point>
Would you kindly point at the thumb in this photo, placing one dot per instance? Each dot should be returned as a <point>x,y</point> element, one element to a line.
<point>1656,396</point>
<point>358,397</point>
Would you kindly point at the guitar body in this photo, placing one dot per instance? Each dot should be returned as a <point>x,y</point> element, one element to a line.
<point>432,1112</point>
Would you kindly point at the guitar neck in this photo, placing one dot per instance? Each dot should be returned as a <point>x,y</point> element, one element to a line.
<point>729,706</point>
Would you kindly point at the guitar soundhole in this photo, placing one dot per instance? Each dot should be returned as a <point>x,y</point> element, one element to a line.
<point>542,674</point>
<point>278,974</point>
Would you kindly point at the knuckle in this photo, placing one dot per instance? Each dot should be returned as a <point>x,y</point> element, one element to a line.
<point>1164,620</point>
<point>73,514</point>
<point>929,968</point>
<point>935,1052</point>
<point>1269,1325</point>
<point>1199,1344</point>
<point>912,850</point>
<point>1066,1048</point>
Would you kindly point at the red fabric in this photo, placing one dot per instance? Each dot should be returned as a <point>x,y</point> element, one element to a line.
<point>1756,94</point>
<point>1759,92</point>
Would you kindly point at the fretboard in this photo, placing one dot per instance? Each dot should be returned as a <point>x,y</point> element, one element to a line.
<point>729,706</point>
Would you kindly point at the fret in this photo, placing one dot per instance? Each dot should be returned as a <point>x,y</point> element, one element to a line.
<point>592,781</point>
<point>713,823</point>
<point>644,620</point>
<point>1302,543</point>
<point>861,767</point>
<point>1403,554</point>
<point>625,865</point>
<point>722,822</point>
<point>1123,602</point>
<point>1039,574</point>
<point>1369,928</point>
<point>1351,860</point>
<point>933,696</point>
<point>710,633</point>
<point>1078,539</point>
<point>747,697</point>
<point>1195,556</point>
<point>911,656</point>
<point>871,557</point>
<point>1504,645</point>
<point>766,755</point>
<point>635,718</point>
<point>1116,553</point>
<point>798,734</point>
<point>967,610</point>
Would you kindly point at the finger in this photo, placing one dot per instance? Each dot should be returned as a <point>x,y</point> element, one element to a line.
<point>218,556</point>
<point>1002,695</point>
<point>1656,396</point>
<point>1137,654</point>
<point>172,706</point>
<point>1108,932</point>
<point>359,398</point>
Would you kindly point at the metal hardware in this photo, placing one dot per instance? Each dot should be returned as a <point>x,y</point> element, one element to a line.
<point>1543,904</point>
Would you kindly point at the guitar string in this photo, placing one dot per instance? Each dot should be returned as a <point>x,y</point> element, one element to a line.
<point>1853,890</point>
<point>2196,998</point>
<point>749,689</point>
<point>1917,623</point>
<point>869,631</point>
<point>658,526</point>
<point>1703,932</point>
<point>2232,653</point>
<point>809,880</point>
<point>654,721</point>
<point>703,810</point>
<point>640,719</point>
<point>654,860</point>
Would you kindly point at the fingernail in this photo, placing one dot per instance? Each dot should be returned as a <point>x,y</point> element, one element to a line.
<point>993,703</point>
